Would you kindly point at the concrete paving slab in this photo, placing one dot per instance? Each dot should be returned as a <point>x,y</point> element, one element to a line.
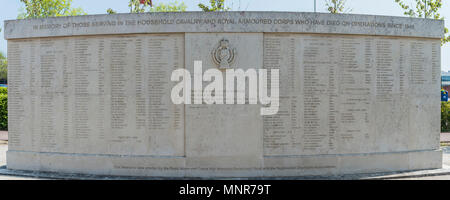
<point>3,135</point>
<point>445,137</point>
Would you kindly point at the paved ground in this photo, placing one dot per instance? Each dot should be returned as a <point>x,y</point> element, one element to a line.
<point>445,137</point>
<point>16,178</point>
<point>445,177</point>
<point>4,135</point>
<point>446,159</point>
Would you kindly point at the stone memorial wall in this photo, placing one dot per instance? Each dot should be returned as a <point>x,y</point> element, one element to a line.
<point>92,94</point>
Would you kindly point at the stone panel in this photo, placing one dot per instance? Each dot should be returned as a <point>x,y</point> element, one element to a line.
<point>96,95</point>
<point>351,94</point>
<point>223,132</point>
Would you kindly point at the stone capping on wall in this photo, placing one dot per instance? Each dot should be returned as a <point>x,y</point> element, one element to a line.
<point>237,22</point>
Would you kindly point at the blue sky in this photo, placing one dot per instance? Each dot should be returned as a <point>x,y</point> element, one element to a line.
<point>9,9</point>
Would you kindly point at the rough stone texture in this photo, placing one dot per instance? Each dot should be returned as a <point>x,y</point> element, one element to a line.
<point>353,99</point>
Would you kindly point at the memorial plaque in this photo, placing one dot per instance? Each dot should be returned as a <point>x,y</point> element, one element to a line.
<point>228,132</point>
<point>92,95</point>
<point>95,94</point>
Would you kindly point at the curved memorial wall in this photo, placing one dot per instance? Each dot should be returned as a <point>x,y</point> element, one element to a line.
<point>92,94</point>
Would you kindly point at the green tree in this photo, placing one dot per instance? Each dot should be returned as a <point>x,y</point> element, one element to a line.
<point>425,9</point>
<point>3,108</point>
<point>216,5</point>
<point>48,8</point>
<point>445,116</point>
<point>111,11</point>
<point>336,6</point>
<point>3,68</point>
<point>3,93</point>
<point>139,6</point>
<point>170,7</point>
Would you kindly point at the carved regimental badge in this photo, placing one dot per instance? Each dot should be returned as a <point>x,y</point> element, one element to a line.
<point>224,55</point>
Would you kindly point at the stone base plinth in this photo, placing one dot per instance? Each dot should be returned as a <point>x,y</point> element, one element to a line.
<point>281,166</point>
